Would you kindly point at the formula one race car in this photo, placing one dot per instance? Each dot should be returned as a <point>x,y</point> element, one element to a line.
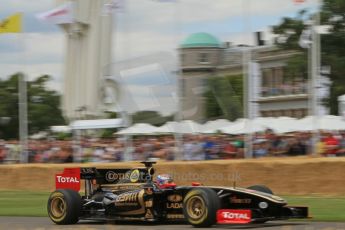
<point>132,194</point>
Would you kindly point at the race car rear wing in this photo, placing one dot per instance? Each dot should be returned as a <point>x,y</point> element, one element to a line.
<point>70,177</point>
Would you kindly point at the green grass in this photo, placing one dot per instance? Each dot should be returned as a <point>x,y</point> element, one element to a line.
<point>321,208</point>
<point>25,203</point>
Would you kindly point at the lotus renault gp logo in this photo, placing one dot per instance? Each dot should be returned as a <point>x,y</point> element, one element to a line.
<point>175,198</point>
<point>134,177</point>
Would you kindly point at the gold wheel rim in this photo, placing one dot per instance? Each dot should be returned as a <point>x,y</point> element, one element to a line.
<point>196,207</point>
<point>58,207</point>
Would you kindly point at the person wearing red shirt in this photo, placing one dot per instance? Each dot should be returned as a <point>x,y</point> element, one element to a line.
<point>331,145</point>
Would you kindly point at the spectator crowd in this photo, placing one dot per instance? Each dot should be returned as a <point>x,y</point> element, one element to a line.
<point>190,147</point>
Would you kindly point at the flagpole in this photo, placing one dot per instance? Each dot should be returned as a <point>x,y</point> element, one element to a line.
<point>179,114</point>
<point>22,104</point>
<point>315,72</point>
<point>128,153</point>
<point>246,58</point>
<point>23,119</point>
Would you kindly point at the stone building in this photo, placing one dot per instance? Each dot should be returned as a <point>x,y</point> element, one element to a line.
<point>203,56</point>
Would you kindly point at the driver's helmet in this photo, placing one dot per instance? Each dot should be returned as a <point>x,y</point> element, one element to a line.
<point>163,179</point>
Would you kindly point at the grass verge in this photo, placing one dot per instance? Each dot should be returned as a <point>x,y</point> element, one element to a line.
<point>23,203</point>
<point>28,203</point>
<point>321,208</point>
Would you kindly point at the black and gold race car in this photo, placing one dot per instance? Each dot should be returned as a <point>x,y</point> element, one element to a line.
<point>132,194</point>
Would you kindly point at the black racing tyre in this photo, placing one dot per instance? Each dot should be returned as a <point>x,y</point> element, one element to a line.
<point>64,206</point>
<point>261,188</point>
<point>200,207</point>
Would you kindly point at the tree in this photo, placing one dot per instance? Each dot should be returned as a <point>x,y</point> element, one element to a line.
<point>224,97</point>
<point>150,117</point>
<point>43,106</point>
<point>332,45</point>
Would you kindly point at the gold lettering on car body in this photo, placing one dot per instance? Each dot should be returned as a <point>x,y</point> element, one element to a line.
<point>236,200</point>
<point>174,205</point>
<point>175,216</point>
<point>140,203</point>
<point>175,198</point>
<point>149,203</point>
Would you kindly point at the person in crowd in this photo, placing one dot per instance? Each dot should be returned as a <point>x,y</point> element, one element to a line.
<point>65,154</point>
<point>3,151</point>
<point>211,148</point>
<point>341,147</point>
<point>277,145</point>
<point>229,149</point>
<point>260,148</point>
<point>296,147</point>
<point>331,145</point>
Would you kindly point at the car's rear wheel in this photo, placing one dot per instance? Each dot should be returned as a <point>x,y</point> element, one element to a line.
<point>200,207</point>
<point>261,188</point>
<point>64,206</point>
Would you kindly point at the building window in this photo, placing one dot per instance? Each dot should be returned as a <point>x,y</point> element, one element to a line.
<point>182,87</point>
<point>203,58</point>
<point>182,58</point>
<point>267,80</point>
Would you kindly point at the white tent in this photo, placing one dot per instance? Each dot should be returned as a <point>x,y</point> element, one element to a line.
<point>185,126</point>
<point>39,135</point>
<point>243,126</point>
<point>188,126</point>
<point>167,128</point>
<point>60,129</point>
<point>327,122</point>
<point>214,126</point>
<point>279,124</point>
<point>139,129</point>
<point>96,124</point>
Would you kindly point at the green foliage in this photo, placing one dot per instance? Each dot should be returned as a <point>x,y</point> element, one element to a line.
<point>333,50</point>
<point>43,106</point>
<point>63,136</point>
<point>108,133</point>
<point>150,117</point>
<point>297,67</point>
<point>289,30</point>
<point>9,106</point>
<point>224,97</point>
<point>332,46</point>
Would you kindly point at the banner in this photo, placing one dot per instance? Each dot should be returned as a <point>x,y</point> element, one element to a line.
<point>60,15</point>
<point>12,24</point>
<point>113,6</point>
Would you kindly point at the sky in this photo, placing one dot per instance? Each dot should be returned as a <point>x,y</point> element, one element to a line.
<point>142,28</point>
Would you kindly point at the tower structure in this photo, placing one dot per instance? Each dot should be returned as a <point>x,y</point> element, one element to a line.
<point>88,51</point>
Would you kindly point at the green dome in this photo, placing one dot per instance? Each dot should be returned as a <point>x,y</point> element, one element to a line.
<point>201,40</point>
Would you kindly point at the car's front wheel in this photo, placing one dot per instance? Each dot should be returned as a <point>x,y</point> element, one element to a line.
<point>64,206</point>
<point>200,207</point>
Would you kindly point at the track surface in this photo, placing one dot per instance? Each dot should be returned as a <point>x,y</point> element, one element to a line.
<point>43,223</point>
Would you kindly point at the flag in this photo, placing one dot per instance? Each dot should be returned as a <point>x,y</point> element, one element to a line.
<point>299,1</point>
<point>12,24</point>
<point>305,39</point>
<point>165,0</point>
<point>112,6</point>
<point>62,14</point>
